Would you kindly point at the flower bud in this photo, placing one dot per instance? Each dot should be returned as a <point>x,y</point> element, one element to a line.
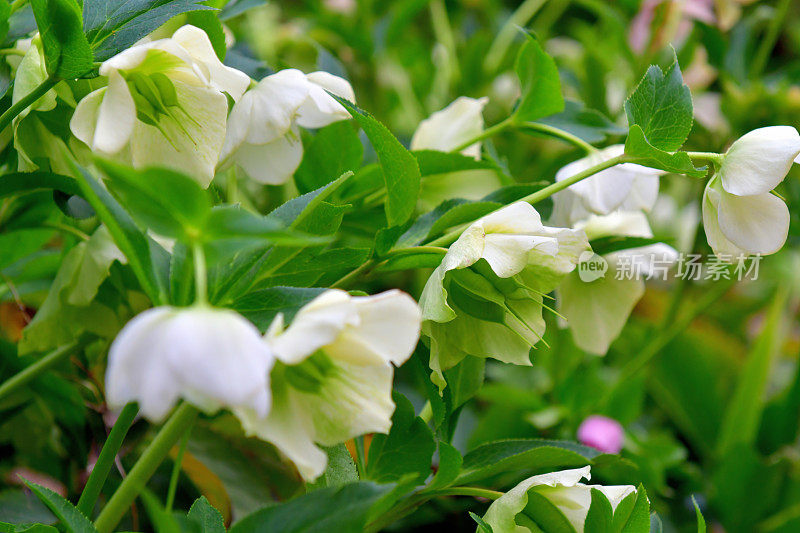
<point>602,433</point>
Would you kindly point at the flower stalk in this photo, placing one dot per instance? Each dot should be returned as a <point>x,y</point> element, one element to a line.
<point>28,100</point>
<point>29,373</point>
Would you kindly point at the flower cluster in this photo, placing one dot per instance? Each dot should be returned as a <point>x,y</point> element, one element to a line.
<point>323,380</point>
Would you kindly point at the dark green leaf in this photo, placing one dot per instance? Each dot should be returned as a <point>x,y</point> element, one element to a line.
<point>26,528</point>
<point>639,521</point>
<point>543,515</point>
<point>463,381</point>
<point>539,81</point>
<point>400,170</point>
<point>341,509</point>
<point>167,202</point>
<point>332,151</point>
<point>114,25</point>
<point>483,527</point>
<point>641,152</point>
<point>536,455</point>
<point>407,449</point>
<point>341,469</point>
<point>461,214</point>
<point>29,182</point>
<point>607,245</point>
<point>207,518</point>
<point>66,51</point>
<point>661,105</point>
<point>598,518</point>
<point>432,162</point>
<point>71,518</point>
<point>450,461</point>
<point>588,124</point>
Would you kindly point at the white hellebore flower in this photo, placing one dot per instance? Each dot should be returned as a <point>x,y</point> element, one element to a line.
<point>212,358</point>
<point>627,186</point>
<point>740,214</point>
<point>568,498</point>
<point>164,105</point>
<point>596,308</point>
<point>334,379</point>
<point>451,127</point>
<point>485,299</point>
<point>263,136</point>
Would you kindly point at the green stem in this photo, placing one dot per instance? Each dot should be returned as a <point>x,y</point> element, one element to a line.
<point>485,134</point>
<point>707,156</point>
<point>30,372</point>
<point>26,101</point>
<point>145,467</point>
<point>560,134</point>
<point>16,5</point>
<point>499,47</point>
<point>476,492</point>
<point>176,470</point>
<point>200,274</point>
<point>444,34</point>
<point>105,461</point>
<point>361,458</point>
<point>541,194</point>
<point>768,42</point>
<point>11,52</point>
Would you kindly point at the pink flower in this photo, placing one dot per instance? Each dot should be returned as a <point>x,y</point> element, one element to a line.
<point>602,433</point>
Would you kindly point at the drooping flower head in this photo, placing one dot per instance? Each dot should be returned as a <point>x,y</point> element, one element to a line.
<point>565,500</point>
<point>164,105</point>
<point>334,378</point>
<point>486,297</point>
<point>740,214</point>
<point>263,136</point>
<point>212,358</point>
<point>449,128</point>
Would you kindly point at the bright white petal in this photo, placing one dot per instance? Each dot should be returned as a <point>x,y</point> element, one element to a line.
<point>454,125</point>
<point>508,254</point>
<point>320,108</point>
<point>387,330</point>
<point>84,120</point>
<point>275,104</point>
<point>272,163</point>
<point>758,224</point>
<point>115,118</point>
<point>759,160</point>
<point>719,243</point>
<point>625,223</point>
<point>643,193</point>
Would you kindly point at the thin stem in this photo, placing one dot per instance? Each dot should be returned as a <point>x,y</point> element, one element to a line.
<point>200,274</point>
<point>499,47</point>
<point>26,101</point>
<point>12,52</point>
<point>176,470</point>
<point>444,34</point>
<point>145,467</point>
<point>707,156</point>
<point>768,42</point>
<point>106,459</point>
<point>69,229</point>
<point>29,373</point>
<point>485,134</point>
<point>476,492</point>
<point>541,194</point>
<point>560,134</point>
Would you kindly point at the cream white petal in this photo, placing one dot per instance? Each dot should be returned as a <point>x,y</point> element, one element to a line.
<point>116,117</point>
<point>643,193</point>
<point>290,428</point>
<point>452,126</point>
<point>759,160</point>
<point>196,42</point>
<point>624,223</point>
<point>84,120</point>
<point>517,218</point>
<point>758,224</point>
<point>719,243</point>
<point>597,311</point>
<point>272,163</point>
<point>508,254</point>
<point>387,330</point>
<point>194,135</point>
<point>316,325</point>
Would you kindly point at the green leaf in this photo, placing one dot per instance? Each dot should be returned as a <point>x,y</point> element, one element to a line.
<point>537,455</point>
<point>661,105</point>
<point>261,306</point>
<point>623,512</point>
<point>341,469</point>
<point>450,462</point>
<point>463,381</point>
<point>588,124</point>
<point>26,528</point>
<point>432,162</point>
<point>206,516</point>
<point>539,81</point>
<point>483,527</point>
<point>66,51</point>
<point>599,516</point>
<point>543,515</point>
<point>29,182</point>
<point>461,214</point>
<point>639,521</point>
<point>330,509</point>
<point>23,509</point>
<point>407,449</point>
<point>111,26</point>
<point>332,151</point>
<point>701,522</point>
<point>133,242</point>
<point>743,415</point>
<point>400,170</point>
<point>615,243</point>
<point>235,222</point>
<point>641,152</point>
<point>71,518</point>
<point>167,202</point>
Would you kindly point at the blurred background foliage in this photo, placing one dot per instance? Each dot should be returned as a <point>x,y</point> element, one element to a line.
<point>705,377</point>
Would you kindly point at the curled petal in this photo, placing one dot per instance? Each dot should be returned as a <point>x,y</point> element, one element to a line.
<point>759,160</point>
<point>758,224</point>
